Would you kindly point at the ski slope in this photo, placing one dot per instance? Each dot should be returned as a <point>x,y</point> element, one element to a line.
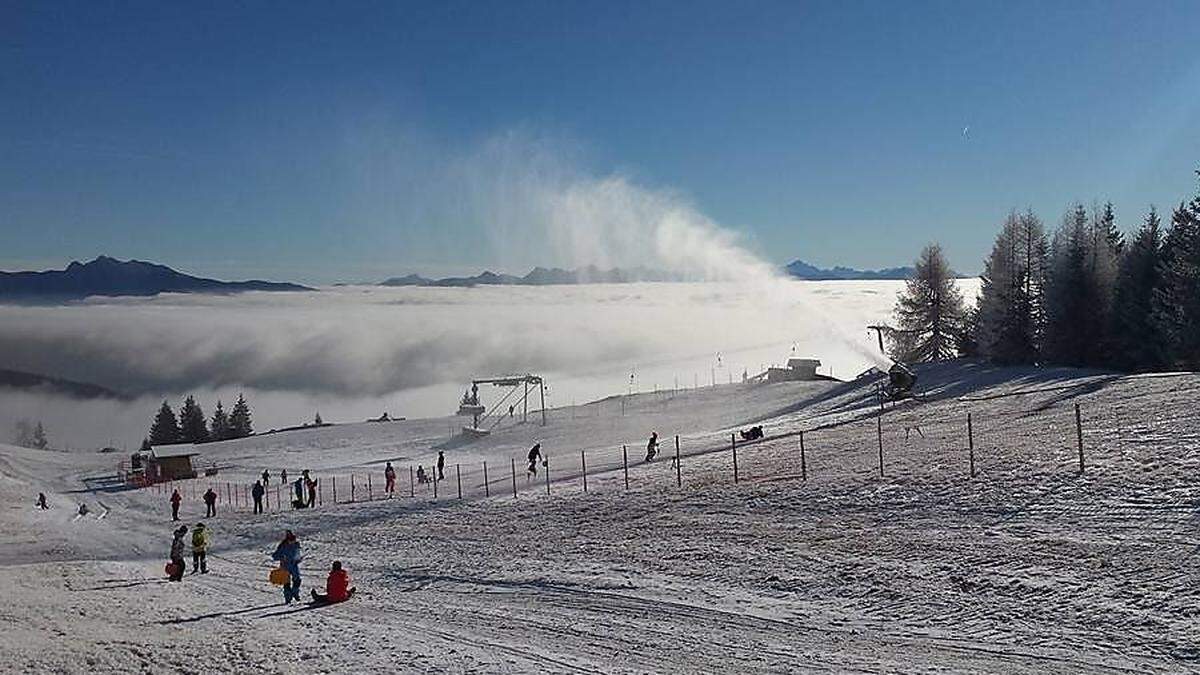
<point>1028,567</point>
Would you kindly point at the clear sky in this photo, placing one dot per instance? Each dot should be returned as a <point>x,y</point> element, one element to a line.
<point>327,141</point>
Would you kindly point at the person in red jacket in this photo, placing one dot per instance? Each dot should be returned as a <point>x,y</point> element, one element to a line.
<point>337,587</point>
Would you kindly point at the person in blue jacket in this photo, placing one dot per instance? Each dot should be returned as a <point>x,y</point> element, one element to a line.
<point>288,555</point>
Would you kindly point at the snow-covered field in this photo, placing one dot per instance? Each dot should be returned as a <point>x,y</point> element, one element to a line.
<point>1028,567</point>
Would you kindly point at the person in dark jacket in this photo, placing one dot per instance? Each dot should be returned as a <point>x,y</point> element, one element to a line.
<point>441,466</point>
<point>177,548</point>
<point>535,454</point>
<point>257,493</point>
<point>176,498</point>
<point>337,587</point>
<point>652,446</point>
<point>389,480</point>
<point>41,502</point>
<point>288,555</point>
<point>210,503</point>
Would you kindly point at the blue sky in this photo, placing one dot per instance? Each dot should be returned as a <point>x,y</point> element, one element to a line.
<point>325,141</point>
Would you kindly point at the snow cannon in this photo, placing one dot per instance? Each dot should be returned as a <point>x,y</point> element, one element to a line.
<point>901,380</point>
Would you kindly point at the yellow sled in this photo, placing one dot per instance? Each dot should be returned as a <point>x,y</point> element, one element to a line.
<point>279,576</point>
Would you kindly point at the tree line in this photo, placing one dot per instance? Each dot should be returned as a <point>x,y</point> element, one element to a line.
<point>191,426</point>
<point>1083,296</point>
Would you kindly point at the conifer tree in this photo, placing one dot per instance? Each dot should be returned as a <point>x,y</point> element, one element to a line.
<point>39,436</point>
<point>1179,301</point>
<point>219,428</point>
<point>1138,337</point>
<point>1011,300</point>
<point>317,419</point>
<point>929,312</point>
<point>240,425</point>
<point>165,429</point>
<point>192,426</point>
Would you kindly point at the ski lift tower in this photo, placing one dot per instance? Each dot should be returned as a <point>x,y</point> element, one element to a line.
<point>523,383</point>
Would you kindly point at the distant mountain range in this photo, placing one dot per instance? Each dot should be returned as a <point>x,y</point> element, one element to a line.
<point>16,379</point>
<point>802,270</point>
<point>549,276</point>
<point>110,277</point>
<point>540,276</point>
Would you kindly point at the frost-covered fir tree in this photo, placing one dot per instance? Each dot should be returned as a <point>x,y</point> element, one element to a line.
<point>1139,338</point>
<point>219,427</point>
<point>39,437</point>
<point>1180,296</point>
<point>165,429</point>
<point>240,425</point>
<point>193,428</point>
<point>1011,300</point>
<point>929,312</point>
<point>1083,272</point>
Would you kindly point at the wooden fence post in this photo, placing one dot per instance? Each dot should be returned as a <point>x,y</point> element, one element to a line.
<point>435,482</point>
<point>321,492</point>
<point>583,462</point>
<point>625,463</point>
<point>458,475</point>
<point>733,445</point>
<point>277,506</point>
<point>335,489</point>
<point>546,466</point>
<point>803,462</point>
<point>971,443</point>
<point>513,462</point>
<point>678,469</point>
<point>353,488</point>
<point>370,490</point>
<point>487,491</point>
<point>879,431</point>
<point>1079,436</point>
<point>412,482</point>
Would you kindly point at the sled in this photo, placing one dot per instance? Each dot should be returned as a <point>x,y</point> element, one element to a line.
<point>279,577</point>
<point>172,569</point>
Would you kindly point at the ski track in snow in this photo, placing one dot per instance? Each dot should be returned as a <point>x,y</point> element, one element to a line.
<point>1030,567</point>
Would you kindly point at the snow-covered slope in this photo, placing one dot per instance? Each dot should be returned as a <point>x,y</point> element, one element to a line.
<point>1027,567</point>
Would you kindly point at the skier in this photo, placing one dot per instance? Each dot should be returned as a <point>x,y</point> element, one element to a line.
<point>176,498</point>
<point>257,493</point>
<point>652,446</point>
<point>210,503</point>
<point>288,555</point>
<point>421,477</point>
<point>200,541</point>
<point>41,502</point>
<point>441,466</point>
<point>283,477</point>
<point>535,454</point>
<point>389,479</point>
<point>337,587</point>
<point>311,486</point>
<point>266,477</point>
<point>298,490</point>
<point>177,554</point>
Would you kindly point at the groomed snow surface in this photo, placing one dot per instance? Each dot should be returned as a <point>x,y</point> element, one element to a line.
<point>1029,566</point>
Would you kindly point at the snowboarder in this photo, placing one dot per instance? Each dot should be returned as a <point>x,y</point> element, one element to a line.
<point>288,555</point>
<point>210,503</point>
<point>337,587</point>
<point>535,454</point>
<point>257,493</point>
<point>389,480</point>
<point>298,491</point>
<point>176,498</point>
<point>41,502</point>
<point>200,541</point>
<point>177,563</point>
<point>652,446</point>
<point>441,466</point>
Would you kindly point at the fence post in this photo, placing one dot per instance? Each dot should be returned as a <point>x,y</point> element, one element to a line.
<point>370,490</point>
<point>879,431</point>
<point>352,488</point>
<point>335,489</point>
<point>412,482</point>
<point>1079,436</point>
<point>678,470</point>
<point>733,445</point>
<point>487,491</point>
<point>277,507</point>
<point>803,463</point>
<point>435,482</point>
<point>321,492</point>
<point>546,466</point>
<point>971,443</point>
<point>583,462</point>
<point>625,463</point>
<point>228,495</point>
<point>513,462</point>
<point>458,475</point>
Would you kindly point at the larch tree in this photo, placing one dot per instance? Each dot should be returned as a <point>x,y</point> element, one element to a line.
<point>1010,313</point>
<point>929,312</point>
